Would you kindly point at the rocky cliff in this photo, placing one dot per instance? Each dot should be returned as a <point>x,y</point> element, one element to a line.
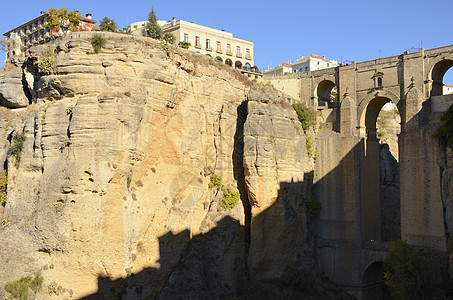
<point>108,194</point>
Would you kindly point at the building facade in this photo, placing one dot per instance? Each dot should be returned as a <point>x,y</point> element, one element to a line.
<point>218,44</point>
<point>34,32</point>
<point>308,63</point>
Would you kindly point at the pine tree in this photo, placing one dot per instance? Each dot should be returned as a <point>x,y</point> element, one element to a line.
<point>152,29</point>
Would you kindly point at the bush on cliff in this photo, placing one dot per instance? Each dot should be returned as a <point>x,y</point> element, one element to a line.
<point>444,134</point>
<point>19,288</point>
<point>408,273</point>
<point>306,115</point>
<point>16,147</point>
<point>3,186</point>
<point>97,41</point>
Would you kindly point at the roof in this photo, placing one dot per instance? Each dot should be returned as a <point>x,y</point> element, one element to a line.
<point>312,56</point>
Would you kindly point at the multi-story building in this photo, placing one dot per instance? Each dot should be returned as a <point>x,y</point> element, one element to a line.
<point>34,32</point>
<point>311,62</point>
<point>218,44</point>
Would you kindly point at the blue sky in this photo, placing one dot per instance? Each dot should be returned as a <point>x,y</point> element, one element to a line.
<point>282,30</point>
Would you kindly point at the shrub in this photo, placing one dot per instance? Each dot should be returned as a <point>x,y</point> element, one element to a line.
<point>303,279</point>
<point>169,38</point>
<point>3,186</point>
<point>407,273</point>
<point>19,288</point>
<point>97,41</point>
<point>52,288</point>
<point>309,144</point>
<point>230,198</point>
<point>184,45</point>
<point>216,181</point>
<point>306,115</point>
<point>312,207</point>
<point>16,147</point>
<point>47,61</point>
<point>444,134</point>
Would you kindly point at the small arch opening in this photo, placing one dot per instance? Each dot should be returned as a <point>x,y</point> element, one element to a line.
<point>373,282</point>
<point>327,93</point>
<point>219,59</point>
<point>229,62</point>
<point>442,78</point>
<point>238,65</point>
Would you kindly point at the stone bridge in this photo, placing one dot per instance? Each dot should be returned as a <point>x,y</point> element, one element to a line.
<point>350,247</point>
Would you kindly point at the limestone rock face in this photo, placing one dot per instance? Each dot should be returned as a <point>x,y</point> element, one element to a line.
<point>12,87</point>
<point>278,177</point>
<point>109,194</point>
<point>113,174</point>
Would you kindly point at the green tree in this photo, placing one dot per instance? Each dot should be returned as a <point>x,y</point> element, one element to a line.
<point>108,25</point>
<point>62,19</point>
<point>152,28</point>
<point>444,134</point>
<point>169,38</point>
<point>408,273</point>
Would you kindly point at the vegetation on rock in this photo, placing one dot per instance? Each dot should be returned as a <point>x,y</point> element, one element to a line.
<point>444,134</point>
<point>230,197</point>
<point>152,29</point>
<point>408,273</point>
<point>19,288</point>
<point>16,147</point>
<point>107,24</point>
<point>184,45</point>
<point>47,61</point>
<point>306,115</point>
<point>312,207</point>
<point>169,38</point>
<point>3,187</point>
<point>98,41</point>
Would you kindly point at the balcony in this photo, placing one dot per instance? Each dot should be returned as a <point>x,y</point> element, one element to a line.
<point>248,56</point>
<point>228,52</point>
<point>198,46</point>
<point>219,51</point>
<point>239,55</point>
<point>208,49</point>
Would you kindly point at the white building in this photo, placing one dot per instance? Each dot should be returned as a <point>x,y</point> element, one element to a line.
<point>218,44</point>
<point>312,62</point>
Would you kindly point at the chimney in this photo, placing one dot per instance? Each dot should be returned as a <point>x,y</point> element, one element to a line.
<point>89,16</point>
<point>42,13</point>
<point>173,21</point>
<point>324,56</point>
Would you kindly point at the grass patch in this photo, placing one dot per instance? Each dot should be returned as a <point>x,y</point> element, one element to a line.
<point>98,41</point>
<point>19,289</point>
<point>16,147</point>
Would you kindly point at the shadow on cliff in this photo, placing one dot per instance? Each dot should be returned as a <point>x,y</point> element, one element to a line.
<point>212,265</point>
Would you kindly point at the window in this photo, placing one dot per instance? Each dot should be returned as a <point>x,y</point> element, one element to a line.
<point>328,65</point>
<point>306,69</point>
<point>228,51</point>
<point>238,51</point>
<point>186,38</point>
<point>247,53</point>
<point>197,42</point>
<point>300,70</point>
<point>208,44</point>
<point>219,47</point>
<point>379,81</point>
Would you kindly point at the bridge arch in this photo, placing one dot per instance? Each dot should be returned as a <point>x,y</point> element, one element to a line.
<point>369,108</point>
<point>437,73</point>
<point>373,282</point>
<point>324,91</point>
